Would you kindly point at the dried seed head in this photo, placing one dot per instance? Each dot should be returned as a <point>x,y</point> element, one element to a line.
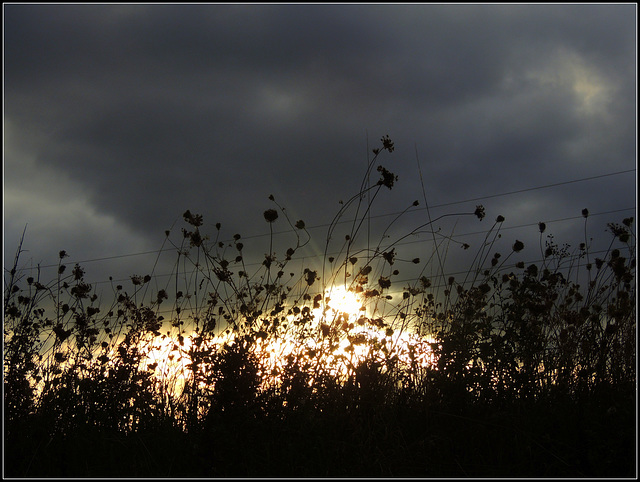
<point>270,215</point>
<point>518,246</point>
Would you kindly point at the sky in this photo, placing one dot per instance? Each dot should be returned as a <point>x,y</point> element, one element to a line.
<point>120,117</point>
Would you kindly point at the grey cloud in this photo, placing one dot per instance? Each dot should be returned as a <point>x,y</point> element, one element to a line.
<point>156,109</point>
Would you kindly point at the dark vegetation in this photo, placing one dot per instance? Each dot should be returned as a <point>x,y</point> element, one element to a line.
<point>533,373</point>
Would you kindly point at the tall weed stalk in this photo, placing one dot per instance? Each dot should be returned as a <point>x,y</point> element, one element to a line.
<point>246,353</point>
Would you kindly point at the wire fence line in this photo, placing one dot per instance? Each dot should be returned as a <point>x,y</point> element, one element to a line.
<point>158,252</point>
<point>378,216</point>
<point>404,281</point>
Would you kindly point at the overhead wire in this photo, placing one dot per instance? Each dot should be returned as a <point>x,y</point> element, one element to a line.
<point>434,286</point>
<point>325,225</point>
<point>404,243</point>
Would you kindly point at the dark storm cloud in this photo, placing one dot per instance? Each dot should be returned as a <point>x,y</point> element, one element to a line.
<point>148,110</point>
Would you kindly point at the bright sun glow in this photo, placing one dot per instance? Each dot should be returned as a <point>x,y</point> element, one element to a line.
<point>342,301</point>
<point>344,337</point>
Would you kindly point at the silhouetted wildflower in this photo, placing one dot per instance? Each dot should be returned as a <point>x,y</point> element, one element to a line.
<point>310,276</point>
<point>384,282</point>
<point>162,295</point>
<point>196,239</point>
<point>388,178</point>
<point>619,231</point>
<point>78,272</point>
<point>193,219</point>
<point>61,333</point>
<point>387,143</point>
<point>270,215</point>
<point>389,256</point>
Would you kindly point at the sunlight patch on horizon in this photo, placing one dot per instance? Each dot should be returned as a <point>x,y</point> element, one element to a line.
<point>336,338</point>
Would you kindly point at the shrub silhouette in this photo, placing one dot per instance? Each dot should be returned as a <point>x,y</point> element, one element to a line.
<point>508,370</point>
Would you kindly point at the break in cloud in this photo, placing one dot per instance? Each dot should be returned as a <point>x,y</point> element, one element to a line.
<point>118,118</point>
